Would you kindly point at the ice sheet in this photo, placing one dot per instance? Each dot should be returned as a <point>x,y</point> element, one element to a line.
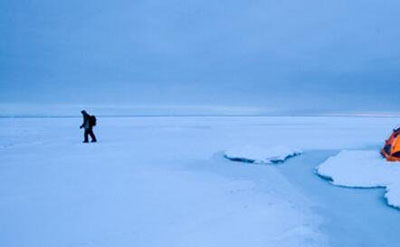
<point>259,155</point>
<point>364,169</point>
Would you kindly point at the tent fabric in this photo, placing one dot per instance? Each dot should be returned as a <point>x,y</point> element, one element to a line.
<point>391,150</point>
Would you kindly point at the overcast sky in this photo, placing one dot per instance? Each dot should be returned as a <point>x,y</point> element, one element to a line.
<point>334,55</point>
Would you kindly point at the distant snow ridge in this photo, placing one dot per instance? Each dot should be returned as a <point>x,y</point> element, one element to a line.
<point>366,169</point>
<point>258,155</point>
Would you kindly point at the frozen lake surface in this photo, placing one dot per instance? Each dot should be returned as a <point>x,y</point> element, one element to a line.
<point>154,181</point>
<point>353,217</point>
<point>364,169</point>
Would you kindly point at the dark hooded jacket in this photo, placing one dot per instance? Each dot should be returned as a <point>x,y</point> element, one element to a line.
<point>86,123</point>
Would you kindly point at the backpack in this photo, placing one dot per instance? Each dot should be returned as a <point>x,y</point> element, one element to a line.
<point>92,121</point>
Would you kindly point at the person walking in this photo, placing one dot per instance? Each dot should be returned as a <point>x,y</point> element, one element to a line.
<point>88,123</point>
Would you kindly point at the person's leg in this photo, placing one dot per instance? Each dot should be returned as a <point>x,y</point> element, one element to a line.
<point>92,135</point>
<point>86,135</point>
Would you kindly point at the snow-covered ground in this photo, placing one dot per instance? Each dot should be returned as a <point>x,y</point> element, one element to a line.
<point>261,155</point>
<point>157,181</point>
<point>364,169</point>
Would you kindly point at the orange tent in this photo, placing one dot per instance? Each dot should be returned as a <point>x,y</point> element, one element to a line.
<point>391,150</point>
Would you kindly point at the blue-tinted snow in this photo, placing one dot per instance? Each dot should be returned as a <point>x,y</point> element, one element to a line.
<point>364,169</point>
<point>150,174</point>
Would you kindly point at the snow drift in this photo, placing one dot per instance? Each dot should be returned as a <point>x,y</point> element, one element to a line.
<point>364,169</point>
<point>258,155</point>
